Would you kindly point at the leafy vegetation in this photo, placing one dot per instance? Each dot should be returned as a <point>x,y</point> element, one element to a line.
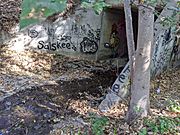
<point>174,106</point>
<point>98,124</point>
<point>161,125</point>
<point>97,6</point>
<point>35,10</point>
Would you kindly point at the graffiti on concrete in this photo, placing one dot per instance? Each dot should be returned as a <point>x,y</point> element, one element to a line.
<point>85,30</point>
<point>121,80</point>
<point>79,30</point>
<point>89,37</point>
<point>63,43</point>
<point>50,32</point>
<point>33,33</point>
<point>162,51</point>
<point>79,37</point>
<point>88,46</point>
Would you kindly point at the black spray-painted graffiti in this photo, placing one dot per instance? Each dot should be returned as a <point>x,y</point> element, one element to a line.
<point>87,36</point>
<point>63,43</point>
<point>122,78</point>
<point>93,34</point>
<point>79,29</point>
<point>55,46</point>
<point>33,33</point>
<point>88,46</point>
<point>85,30</point>
<point>50,32</point>
<point>162,52</point>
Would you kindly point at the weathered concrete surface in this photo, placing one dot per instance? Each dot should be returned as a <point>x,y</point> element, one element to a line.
<point>78,35</point>
<point>163,41</point>
<point>83,34</point>
<point>113,42</point>
<point>110,21</point>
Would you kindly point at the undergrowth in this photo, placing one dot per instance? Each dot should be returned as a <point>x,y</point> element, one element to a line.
<point>161,125</point>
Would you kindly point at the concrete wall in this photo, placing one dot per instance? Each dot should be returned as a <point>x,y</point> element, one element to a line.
<point>78,35</point>
<point>88,35</point>
<point>84,34</point>
<point>108,47</point>
<point>113,43</point>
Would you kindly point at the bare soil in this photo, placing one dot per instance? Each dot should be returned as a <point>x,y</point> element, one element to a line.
<point>47,94</point>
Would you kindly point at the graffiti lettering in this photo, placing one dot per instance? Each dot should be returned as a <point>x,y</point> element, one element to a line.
<point>75,29</point>
<point>83,34</point>
<point>50,31</point>
<point>126,70</point>
<point>167,35</point>
<point>115,88</point>
<point>66,39</point>
<point>85,30</point>
<point>88,46</point>
<point>122,78</point>
<point>90,35</point>
<point>33,33</point>
<point>56,45</point>
<point>79,29</point>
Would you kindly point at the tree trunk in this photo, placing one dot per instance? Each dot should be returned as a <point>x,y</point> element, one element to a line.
<point>130,36</point>
<point>120,87</point>
<point>139,103</point>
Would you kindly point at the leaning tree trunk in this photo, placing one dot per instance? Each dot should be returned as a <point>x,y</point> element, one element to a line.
<point>130,37</point>
<point>139,103</point>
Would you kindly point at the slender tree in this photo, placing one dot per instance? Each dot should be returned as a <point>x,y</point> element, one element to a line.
<point>130,39</point>
<point>139,94</point>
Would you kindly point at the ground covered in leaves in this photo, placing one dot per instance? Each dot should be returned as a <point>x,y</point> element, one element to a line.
<point>48,94</point>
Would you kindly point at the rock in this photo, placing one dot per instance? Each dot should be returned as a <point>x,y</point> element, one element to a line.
<point>110,100</point>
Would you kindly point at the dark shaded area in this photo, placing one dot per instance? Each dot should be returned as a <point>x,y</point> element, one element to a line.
<point>33,111</point>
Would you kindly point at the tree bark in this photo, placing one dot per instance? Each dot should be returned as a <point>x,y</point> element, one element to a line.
<point>139,103</point>
<point>130,36</point>
<point>130,39</point>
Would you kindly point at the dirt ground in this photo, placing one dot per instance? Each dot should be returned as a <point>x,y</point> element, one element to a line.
<point>47,94</point>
